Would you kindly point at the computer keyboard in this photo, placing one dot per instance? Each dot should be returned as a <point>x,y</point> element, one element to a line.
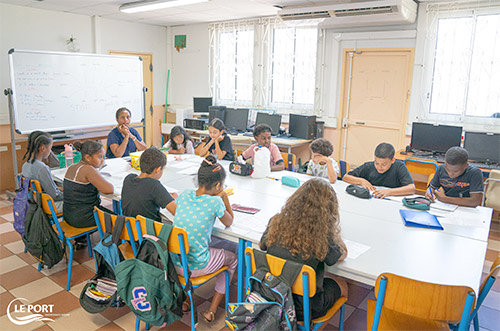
<point>436,158</point>
<point>248,134</point>
<point>490,166</point>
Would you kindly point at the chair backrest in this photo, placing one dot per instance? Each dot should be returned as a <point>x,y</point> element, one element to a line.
<point>430,179</point>
<point>35,185</point>
<point>285,157</point>
<point>494,270</point>
<point>421,167</point>
<point>276,265</point>
<point>173,240</point>
<point>492,190</point>
<point>345,167</point>
<point>47,203</point>
<point>422,299</point>
<point>129,235</point>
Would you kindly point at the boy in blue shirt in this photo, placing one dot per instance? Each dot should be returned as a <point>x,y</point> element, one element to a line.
<point>144,194</point>
<point>461,183</point>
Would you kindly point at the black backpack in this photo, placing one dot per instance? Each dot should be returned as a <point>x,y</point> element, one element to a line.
<point>269,303</point>
<point>39,237</point>
<point>100,291</point>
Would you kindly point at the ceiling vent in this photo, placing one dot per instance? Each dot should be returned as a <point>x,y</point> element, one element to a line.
<point>367,13</point>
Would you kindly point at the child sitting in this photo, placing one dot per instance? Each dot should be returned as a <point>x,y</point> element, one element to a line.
<point>196,213</point>
<point>219,144</point>
<point>262,134</point>
<point>39,148</point>
<point>384,171</point>
<point>144,194</point>
<point>310,236</point>
<point>462,184</point>
<point>180,142</point>
<point>321,164</point>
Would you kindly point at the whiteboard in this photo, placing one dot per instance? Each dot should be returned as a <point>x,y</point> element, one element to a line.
<point>61,91</point>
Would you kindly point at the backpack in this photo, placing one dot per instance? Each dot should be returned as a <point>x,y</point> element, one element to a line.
<point>39,237</point>
<point>100,291</point>
<point>149,284</point>
<point>20,205</point>
<point>269,302</point>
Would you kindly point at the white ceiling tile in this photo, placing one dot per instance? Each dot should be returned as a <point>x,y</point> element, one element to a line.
<point>97,10</point>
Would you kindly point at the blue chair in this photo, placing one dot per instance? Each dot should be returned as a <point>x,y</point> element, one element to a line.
<point>344,168</point>
<point>484,290</point>
<point>302,285</point>
<point>178,244</point>
<point>404,303</point>
<point>65,232</point>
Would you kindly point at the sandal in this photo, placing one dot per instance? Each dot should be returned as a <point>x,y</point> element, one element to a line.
<point>186,307</point>
<point>212,315</point>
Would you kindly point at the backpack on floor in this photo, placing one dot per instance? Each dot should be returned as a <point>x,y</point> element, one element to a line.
<point>149,284</point>
<point>20,205</point>
<point>39,237</point>
<point>100,291</point>
<point>269,303</point>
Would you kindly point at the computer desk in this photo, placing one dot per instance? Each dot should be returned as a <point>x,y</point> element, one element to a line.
<point>240,139</point>
<point>453,256</point>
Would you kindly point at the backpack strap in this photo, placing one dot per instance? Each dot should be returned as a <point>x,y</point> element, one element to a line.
<point>164,234</point>
<point>150,227</point>
<point>116,231</point>
<point>260,260</point>
<point>290,272</point>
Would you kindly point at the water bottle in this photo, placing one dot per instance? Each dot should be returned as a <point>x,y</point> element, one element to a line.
<point>261,162</point>
<point>68,154</point>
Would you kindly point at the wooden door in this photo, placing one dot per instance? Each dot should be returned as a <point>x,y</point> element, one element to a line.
<point>375,94</point>
<point>147,76</point>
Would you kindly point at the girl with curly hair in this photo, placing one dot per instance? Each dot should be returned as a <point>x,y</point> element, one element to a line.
<point>307,231</point>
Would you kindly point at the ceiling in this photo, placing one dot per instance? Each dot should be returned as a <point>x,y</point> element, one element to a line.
<point>213,11</point>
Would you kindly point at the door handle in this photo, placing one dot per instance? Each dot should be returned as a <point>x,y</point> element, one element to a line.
<point>360,123</point>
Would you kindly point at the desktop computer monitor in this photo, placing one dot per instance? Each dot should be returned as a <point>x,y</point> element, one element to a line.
<point>200,105</point>
<point>482,146</point>
<point>216,112</point>
<point>236,119</point>
<point>435,138</point>
<point>274,121</point>
<point>302,126</point>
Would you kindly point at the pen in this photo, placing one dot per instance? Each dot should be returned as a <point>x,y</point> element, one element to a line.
<point>430,191</point>
<point>273,178</point>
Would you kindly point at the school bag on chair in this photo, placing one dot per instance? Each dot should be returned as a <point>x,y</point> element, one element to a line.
<point>20,205</point>
<point>40,239</point>
<point>100,291</point>
<point>149,284</point>
<point>269,303</point>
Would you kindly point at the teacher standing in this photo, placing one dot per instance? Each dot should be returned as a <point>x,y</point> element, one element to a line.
<point>123,139</point>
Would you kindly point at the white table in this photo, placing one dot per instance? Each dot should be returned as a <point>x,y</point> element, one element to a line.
<point>453,256</point>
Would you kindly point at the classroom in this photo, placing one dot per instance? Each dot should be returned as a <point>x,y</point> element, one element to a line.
<point>308,164</point>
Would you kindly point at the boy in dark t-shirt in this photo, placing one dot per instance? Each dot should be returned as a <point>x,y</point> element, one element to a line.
<point>384,171</point>
<point>144,194</point>
<point>461,184</point>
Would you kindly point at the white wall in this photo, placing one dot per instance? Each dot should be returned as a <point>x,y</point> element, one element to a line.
<point>189,74</point>
<point>37,29</point>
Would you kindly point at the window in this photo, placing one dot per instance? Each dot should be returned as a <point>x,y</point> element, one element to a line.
<point>234,67</point>
<point>466,73</point>
<point>293,67</point>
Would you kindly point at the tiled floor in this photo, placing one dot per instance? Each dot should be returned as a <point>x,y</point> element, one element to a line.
<point>19,278</point>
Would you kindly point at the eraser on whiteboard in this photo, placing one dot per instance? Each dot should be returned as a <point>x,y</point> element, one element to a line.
<point>290,181</point>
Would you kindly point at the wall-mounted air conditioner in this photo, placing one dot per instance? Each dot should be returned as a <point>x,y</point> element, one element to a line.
<point>365,13</point>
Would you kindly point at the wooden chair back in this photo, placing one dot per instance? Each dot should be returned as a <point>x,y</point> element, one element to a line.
<point>421,167</point>
<point>492,190</point>
<point>494,270</point>
<point>276,265</point>
<point>125,233</point>
<point>173,240</point>
<point>46,201</point>
<point>35,185</point>
<point>430,179</point>
<point>424,300</point>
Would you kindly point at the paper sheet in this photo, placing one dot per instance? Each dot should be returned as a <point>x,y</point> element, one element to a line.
<point>178,165</point>
<point>189,171</point>
<point>457,220</point>
<point>443,206</point>
<point>355,249</point>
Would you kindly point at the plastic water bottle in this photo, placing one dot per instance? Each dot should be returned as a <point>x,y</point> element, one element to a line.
<point>68,154</point>
<point>261,162</point>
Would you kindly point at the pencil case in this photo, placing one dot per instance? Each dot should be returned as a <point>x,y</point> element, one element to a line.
<point>290,181</point>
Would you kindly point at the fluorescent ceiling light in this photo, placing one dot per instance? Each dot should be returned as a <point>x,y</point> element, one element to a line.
<point>140,6</point>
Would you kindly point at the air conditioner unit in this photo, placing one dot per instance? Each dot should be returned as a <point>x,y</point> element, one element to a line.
<point>365,13</point>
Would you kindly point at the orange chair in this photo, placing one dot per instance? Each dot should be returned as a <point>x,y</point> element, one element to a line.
<point>286,156</point>
<point>127,248</point>
<point>65,232</point>
<point>407,304</point>
<point>425,168</point>
<point>304,286</point>
<point>178,244</point>
<point>35,186</point>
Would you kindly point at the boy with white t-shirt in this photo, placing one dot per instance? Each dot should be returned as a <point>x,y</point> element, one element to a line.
<point>321,164</point>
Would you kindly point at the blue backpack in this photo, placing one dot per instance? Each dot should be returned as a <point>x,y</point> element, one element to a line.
<point>100,291</point>
<point>20,205</point>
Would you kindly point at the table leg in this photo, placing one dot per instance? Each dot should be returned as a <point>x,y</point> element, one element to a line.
<point>241,268</point>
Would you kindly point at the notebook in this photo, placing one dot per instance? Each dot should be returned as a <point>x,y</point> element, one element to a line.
<point>420,219</point>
